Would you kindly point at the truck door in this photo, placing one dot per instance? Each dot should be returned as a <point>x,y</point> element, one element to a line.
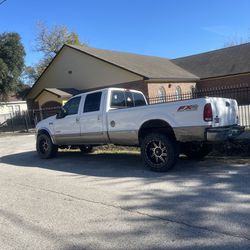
<point>67,129</point>
<point>91,119</point>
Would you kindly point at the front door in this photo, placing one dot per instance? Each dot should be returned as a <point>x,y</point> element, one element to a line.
<point>67,129</point>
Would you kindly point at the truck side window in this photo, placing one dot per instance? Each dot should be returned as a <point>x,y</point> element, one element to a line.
<point>118,99</point>
<point>72,106</point>
<point>139,99</point>
<point>129,99</point>
<point>92,102</point>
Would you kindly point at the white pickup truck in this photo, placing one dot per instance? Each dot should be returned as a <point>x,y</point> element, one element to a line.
<point>123,117</point>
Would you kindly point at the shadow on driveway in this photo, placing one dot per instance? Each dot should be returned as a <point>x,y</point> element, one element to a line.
<point>117,165</point>
<point>103,164</point>
<point>210,196</point>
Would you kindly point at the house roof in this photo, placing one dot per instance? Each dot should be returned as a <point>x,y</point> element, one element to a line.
<point>70,91</point>
<point>62,93</point>
<point>58,92</point>
<point>151,67</point>
<point>221,62</point>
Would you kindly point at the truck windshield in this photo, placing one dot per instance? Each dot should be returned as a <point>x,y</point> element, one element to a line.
<point>126,99</point>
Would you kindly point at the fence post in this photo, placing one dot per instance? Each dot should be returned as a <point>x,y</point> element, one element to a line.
<point>41,114</point>
<point>12,124</point>
<point>26,122</point>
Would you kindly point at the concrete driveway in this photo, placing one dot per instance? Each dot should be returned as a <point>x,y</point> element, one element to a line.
<point>110,201</point>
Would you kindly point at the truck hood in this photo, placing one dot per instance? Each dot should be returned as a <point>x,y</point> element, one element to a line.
<point>45,122</point>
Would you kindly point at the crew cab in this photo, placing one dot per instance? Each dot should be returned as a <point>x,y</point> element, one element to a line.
<point>123,117</point>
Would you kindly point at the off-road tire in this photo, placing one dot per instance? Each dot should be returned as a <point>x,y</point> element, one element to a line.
<point>45,147</point>
<point>159,152</point>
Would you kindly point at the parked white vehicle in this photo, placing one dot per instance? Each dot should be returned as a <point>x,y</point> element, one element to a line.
<point>123,117</point>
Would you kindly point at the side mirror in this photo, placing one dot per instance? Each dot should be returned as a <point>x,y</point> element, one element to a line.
<point>62,113</point>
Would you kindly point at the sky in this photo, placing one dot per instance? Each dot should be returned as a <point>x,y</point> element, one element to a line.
<point>165,28</point>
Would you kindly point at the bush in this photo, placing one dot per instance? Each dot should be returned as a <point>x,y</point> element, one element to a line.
<point>234,148</point>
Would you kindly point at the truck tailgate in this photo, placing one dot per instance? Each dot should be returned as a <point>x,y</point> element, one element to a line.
<point>225,111</point>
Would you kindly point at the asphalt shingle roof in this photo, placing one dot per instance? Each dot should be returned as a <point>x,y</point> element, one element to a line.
<point>222,62</point>
<point>63,92</point>
<point>151,67</point>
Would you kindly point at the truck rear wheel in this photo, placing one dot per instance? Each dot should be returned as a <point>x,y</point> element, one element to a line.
<point>45,147</point>
<point>158,152</point>
<point>196,150</point>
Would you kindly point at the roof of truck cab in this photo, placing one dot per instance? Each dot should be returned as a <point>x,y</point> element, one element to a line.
<point>108,89</point>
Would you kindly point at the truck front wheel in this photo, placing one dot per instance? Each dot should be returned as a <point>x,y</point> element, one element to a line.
<point>158,152</point>
<point>45,147</point>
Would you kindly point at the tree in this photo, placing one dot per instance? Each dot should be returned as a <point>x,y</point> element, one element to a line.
<point>49,42</point>
<point>11,63</point>
<point>30,75</point>
<point>22,90</point>
<point>236,40</point>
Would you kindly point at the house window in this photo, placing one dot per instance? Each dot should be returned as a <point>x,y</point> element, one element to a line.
<point>162,93</point>
<point>178,92</point>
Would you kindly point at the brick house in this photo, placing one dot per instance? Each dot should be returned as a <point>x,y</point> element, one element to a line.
<point>80,69</point>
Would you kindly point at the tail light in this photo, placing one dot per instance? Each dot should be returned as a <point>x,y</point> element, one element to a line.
<point>208,113</point>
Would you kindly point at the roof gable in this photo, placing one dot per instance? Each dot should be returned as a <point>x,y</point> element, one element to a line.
<point>81,67</point>
<point>146,66</point>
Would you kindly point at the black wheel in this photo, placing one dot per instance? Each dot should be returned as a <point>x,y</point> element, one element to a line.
<point>196,150</point>
<point>159,152</point>
<point>44,147</point>
<point>86,149</point>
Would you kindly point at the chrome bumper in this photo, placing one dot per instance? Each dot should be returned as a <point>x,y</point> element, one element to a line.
<point>223,133</point>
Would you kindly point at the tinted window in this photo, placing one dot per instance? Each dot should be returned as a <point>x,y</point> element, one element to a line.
<point>118,99</point>
<point>129,99</point>
<point>72,106</point>
<point>139,99</point>
<point>92,102</point>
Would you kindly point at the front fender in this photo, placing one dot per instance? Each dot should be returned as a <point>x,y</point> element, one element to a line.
<point>46,130</point>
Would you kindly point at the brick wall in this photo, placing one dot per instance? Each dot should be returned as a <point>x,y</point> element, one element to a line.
<point>170,88</point>
<point>138,85</point>
<point>228,81</point>
<point>236,87</point>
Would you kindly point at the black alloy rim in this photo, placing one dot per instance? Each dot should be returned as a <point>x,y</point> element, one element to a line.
<point>157,152</point>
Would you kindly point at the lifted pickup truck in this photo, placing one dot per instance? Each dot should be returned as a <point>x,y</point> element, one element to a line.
<point>123,117</point>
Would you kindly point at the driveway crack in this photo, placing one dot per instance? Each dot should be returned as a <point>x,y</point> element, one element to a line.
<point>163,219</point>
